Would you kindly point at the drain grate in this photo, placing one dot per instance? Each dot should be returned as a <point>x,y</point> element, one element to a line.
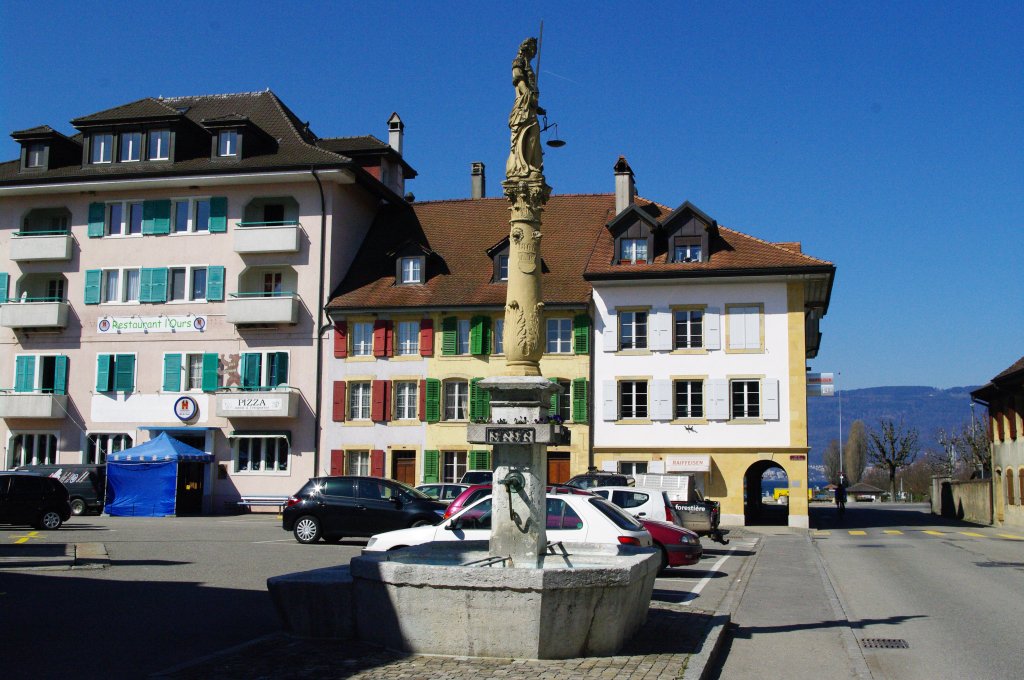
<point>884,643</point>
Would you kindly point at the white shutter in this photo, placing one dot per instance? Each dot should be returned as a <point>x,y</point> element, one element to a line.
<point>661,330</point>
<point>737,339</point>
<point>609,398</point>
<point>717,399</point>
<point>770,397</point>
<point>712,329</point>
<point>661,400</point>
<point>752,327</point>
<point>611,333</point>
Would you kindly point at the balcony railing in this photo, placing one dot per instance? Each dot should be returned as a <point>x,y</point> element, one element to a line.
<point>34,246</point>
<point>263,308</point>
<point>26,312</point>
<point>265,401</point>
<point>35,404</point>
<point>267,237</point>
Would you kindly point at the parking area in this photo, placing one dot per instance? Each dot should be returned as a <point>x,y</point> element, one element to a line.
<point>177,589</point>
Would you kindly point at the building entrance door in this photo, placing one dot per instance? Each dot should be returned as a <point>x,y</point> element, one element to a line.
<point>190,488</point>
<point>558,467</point>
<point>403,467</point>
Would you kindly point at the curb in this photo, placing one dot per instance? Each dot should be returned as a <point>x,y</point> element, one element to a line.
<point>90,556</point>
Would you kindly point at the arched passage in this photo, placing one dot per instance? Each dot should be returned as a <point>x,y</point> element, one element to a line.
<point>755,510</point>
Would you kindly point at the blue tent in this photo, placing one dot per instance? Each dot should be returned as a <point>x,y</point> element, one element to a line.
<point>143,481</point>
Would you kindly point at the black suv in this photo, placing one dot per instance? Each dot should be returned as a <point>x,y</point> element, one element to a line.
<point>335,507</point>
<point>593,478</point>
<point>33,499</point>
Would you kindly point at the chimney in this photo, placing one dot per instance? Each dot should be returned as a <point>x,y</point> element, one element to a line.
<point>625,188</point>
<point>478,182</point>
<point>396,131</point>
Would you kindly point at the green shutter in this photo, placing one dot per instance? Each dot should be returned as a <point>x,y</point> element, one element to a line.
<point>251,371</point>
<point>218,214</point>
<point>431,466</point>
<point>145,284</point>
<point>93,281</point>
<point>60,375</point>
<point>158,285</point>
<point>5,282</point>
<point>450,330</point>
<point>214,284</point>
<point>480,335</point>
<point>433,400</point>
<point>97,218</point>
<point>581,334</point>
<point>156,217</point>
<point>579,400</point>
<point>479,401</point>
<point>211,377</point>
<point>25,374</point>
<point>553,405</point>
<point>103,362</point>
<point>278,369</point>
<point>480,460</point>
<point>124,373</point>
<point>172,373</point>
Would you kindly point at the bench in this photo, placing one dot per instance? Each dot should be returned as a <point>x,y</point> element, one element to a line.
<point>262,502</point>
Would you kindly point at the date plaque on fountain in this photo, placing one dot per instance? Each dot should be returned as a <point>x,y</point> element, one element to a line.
<point>510,435</point>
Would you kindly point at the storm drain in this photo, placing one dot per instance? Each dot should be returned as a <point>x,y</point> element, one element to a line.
<point>884,643</point>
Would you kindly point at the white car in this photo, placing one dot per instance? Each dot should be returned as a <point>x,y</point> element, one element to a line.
<point>641,502</point>
<point>572,518</point>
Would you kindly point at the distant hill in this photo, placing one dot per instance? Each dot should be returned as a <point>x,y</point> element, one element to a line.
<point>925,408</point>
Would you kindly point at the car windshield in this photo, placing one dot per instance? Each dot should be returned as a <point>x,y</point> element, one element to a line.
<point>621,518</point>
<point>406,490</point>
<point>583,482</point>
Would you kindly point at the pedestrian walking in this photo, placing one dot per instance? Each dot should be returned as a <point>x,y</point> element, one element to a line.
<point>841,494</point>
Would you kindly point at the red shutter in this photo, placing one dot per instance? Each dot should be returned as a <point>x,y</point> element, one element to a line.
<point>389,338</point>
<point>340,339</point>
<point>389,397</point>
<point>423,400</point>
<point>378,397</point>
<point>339,401</point>
<point>380,333</point>
<point>376,463</point>
<point>337,461</point>
<point>1011,421</point>
<point>426,340</point>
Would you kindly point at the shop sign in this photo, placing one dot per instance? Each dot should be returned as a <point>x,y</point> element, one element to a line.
<point>116,325</point>
<point>821,385</point>
<point>251,404</point>
<point>186,408</point>
<point>687,463</point>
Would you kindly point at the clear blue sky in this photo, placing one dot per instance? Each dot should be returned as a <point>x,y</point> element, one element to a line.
<point>887,137</point>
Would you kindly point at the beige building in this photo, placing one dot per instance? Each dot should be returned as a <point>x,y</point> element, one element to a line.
<point>1004,397</point>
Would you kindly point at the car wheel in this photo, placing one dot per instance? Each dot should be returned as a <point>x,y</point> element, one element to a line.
<point>77,506</point>
<point>50,519</point>
<point>420,523</point>
<point>664,559</point>
<point>307,529</point>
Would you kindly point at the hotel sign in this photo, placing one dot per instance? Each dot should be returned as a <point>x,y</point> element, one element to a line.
<point>116,325</point>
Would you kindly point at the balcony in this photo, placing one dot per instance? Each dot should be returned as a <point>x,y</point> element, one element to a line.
<point>38,246</point>
<point>266,237</point>
<point>32,405</point>
<point>247,309</point>
<point>260,402</point>
<point>28,313</point>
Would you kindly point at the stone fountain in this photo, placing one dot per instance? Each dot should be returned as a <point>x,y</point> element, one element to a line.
<point>516,596</point>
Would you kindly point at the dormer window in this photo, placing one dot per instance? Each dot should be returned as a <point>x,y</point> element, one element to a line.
<point>227,143</point>
<point>687,250</point>
<point>501,265</point>
<point>101,148</point>
<point>633,250</point>
<point>410,270</point>
<point>159,145</point>
<point>131,147</point>
<point>35,156</point>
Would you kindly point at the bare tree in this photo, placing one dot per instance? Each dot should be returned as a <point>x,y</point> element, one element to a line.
<point>831,461</point>
<point>967,444</point>
<point>892,447</point>
<point>855,453</point>
<point>916,478</point>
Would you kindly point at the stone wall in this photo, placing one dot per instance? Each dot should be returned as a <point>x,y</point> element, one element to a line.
<point>970,501</point>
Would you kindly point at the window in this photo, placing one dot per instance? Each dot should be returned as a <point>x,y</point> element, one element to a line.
<point>101,148</point>
<point>689,328</point>
<point>454,465</point>
<point>746,398</point>
<point>261,454</point>
<point>502,267</point>
<point>35,156</point>
<point>190,215</point>
<point>120,285</point>
<point>187,283</point>
<point>359,401</point>
<point>633,250</point>
<point>198,288</point>
<point>499,336</point>
<point>131,147</point>
<point>632,399</point>
<point>562,403</point>
<point>115,219</point>
<point>177,275</point>
<point>201,215</point>
<point>412,270</point>
<point>687,252</point>
<point>744,327</point>
<point>32,449</point>
<point>408,337</point>
<point>273,283</point>
<point>159,145</point>
<point>264,370</point>
<point>227,143</point>
<point>194,376</point>
<point>627,467</point>
<point>362,339</point>
<point>559,336</point>
<point>46,374</point>
<point>689,399</point>
<point>357,463</point>
<point>406,394</point>
<point>99,446</point>
<point>633,330</point>
<point>463,336</point>
<point>115,373</point>
<point>456,400</point>
<point>124,218</point>
<point>55,289</point>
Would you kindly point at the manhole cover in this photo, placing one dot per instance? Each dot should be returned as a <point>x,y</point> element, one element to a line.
<point>884,643</point>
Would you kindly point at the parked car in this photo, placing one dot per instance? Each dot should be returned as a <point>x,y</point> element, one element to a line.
<point>477,477</point>
<point>595,478</point>
<point>478,491</point>
<point>27,498</point>
<point>335,507</point>
<point>695,512</point>
<point>641,502</point>
<point>573,518</point>
<point>679,547</point>
<point>85,483</point>
<point>445,493</point>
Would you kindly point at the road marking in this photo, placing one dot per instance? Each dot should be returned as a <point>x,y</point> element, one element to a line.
<point>276,540</point>
<point>24,539</point>
<point>895,532</point>
<point>933,533</point>
<point>704,581</point>
<point>1011,537</point>
<point>972,534</point>
<point>822,533</point>
<point>857,532</point>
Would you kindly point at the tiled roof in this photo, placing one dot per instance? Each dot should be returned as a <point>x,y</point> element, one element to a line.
<point>346,145</point>
<point>1017,367</point>
<point>577,243</point>
<point>37,130</point>
<point>142,108</point>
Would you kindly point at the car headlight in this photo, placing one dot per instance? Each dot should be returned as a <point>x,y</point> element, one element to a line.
<point>690,540</point>
<point>373,539</point>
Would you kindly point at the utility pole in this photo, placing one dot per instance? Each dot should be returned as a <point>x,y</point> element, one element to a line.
<point>839,396</point>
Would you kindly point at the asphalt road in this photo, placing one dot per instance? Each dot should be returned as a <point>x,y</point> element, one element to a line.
<point>178,589</point>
